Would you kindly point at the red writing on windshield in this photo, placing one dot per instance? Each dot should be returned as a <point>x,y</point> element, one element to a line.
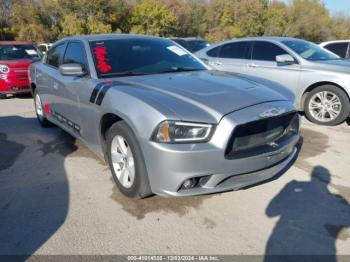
<point>100,54</point>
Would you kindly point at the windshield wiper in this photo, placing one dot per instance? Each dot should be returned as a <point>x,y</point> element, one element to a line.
<point>125,73</point>
<point>180,69</point>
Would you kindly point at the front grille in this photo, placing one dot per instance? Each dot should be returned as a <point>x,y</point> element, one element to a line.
<point>262,136</point>
<point>22,77</point>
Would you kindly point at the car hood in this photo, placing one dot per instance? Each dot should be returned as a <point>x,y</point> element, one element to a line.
<point>340,66</point>
<point>22,63</point>
<point>216,93</point>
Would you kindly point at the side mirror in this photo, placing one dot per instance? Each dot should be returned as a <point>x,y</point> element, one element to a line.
<point>71,70</point>
<point>285,59</point>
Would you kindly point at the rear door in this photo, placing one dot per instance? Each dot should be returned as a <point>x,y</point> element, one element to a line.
<point>50,89</point>
<point>233,57</point>
<point>263,64</point>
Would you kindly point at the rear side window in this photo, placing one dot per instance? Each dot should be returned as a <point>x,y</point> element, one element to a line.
<point>214,52</point>
<point>239,50</point>
<point>338,48</point>
<point>266,51</point>
<point>54,56</point>
<point>75,54</point>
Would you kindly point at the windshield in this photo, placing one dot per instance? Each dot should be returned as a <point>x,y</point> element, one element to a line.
<point>16,52</point>
<point>310,51</point>
<point>197,45</point>
<point>122,57</point>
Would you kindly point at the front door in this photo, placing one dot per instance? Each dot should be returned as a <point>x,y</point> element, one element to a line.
<point>50,89</point>
<point>263,64</point>
<point>73,86</point>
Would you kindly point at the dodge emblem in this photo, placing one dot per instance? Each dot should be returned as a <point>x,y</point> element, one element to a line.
<point>273,112</point>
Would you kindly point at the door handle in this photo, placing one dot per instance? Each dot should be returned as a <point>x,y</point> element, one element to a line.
<point>217,63</point>
<point>55,85</point>
<point>252,65</point>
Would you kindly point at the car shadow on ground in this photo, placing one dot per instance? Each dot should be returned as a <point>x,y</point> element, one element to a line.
<point>311,220</point>
<point>34,191</point>
<point>19,96</point>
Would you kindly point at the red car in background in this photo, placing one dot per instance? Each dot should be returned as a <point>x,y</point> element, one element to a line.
<point>15,58</point>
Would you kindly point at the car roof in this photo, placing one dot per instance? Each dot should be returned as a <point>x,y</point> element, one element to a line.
<point>334,41</point>
<point>100,37</point>
<point>255,38</point>
<point>268,38</point>
<point>16,43</point>
<point>188,38</point>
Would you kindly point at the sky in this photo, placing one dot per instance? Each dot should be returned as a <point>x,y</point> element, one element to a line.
<point>336,6</point>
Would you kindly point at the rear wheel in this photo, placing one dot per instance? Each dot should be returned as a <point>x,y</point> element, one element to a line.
<point>327,105</point>
<point>40,112</point>
<point>126,161</point>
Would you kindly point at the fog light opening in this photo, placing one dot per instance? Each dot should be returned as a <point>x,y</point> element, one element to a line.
<point>189,183</point>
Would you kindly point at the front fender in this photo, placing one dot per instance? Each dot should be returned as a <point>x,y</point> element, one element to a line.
<point>139,110</point>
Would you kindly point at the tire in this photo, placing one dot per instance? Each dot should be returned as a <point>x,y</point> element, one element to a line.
<point>40,115</point>
<point>335,100</point>
<point>133,187</point>
<point>3,96</point>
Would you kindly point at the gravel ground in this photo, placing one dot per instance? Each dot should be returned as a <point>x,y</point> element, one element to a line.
<point>56,198</point>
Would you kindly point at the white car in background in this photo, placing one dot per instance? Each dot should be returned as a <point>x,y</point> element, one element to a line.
<point>339,47</point>
<point>319,79</point>
<point>44,47</point>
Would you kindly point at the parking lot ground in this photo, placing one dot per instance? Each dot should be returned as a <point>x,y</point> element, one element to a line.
<point>56,197</point>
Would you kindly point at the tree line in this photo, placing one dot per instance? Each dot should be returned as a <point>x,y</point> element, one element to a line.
<point>215,20</point>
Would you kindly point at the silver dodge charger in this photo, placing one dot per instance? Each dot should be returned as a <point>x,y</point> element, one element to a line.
<point>164,122</point>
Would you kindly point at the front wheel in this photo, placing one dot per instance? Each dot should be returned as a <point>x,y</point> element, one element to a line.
<point>327,105</point>
<point>40,112</point>
<point>126,161</point>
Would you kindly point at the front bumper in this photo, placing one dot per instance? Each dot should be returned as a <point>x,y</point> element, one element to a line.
<point>169,165</point>
<point>14,87</point>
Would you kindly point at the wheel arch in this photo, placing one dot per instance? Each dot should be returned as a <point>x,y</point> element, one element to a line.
<point>32,87</point>
<point>315,85</point>
<point>107,120</point>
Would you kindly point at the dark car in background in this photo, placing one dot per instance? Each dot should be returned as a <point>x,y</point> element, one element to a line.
<point>339,47</point>
<point>191,44</point>
<point>15,58</point>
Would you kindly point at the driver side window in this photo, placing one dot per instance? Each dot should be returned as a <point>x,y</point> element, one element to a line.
<point>54,56</point>
<point>75,54</point>
<point>266,51</point>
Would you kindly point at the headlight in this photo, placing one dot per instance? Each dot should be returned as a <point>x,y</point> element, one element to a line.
<point>4,77</point>
<point>182,132</point>
<point>4,69</point>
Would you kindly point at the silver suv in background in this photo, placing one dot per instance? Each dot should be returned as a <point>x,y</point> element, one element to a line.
<point>319,78</point>
<point>339,47</point>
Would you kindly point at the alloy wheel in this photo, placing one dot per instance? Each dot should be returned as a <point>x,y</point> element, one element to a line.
<point>39,107</point>
<point>123,161</point>
<point>325,106</point>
